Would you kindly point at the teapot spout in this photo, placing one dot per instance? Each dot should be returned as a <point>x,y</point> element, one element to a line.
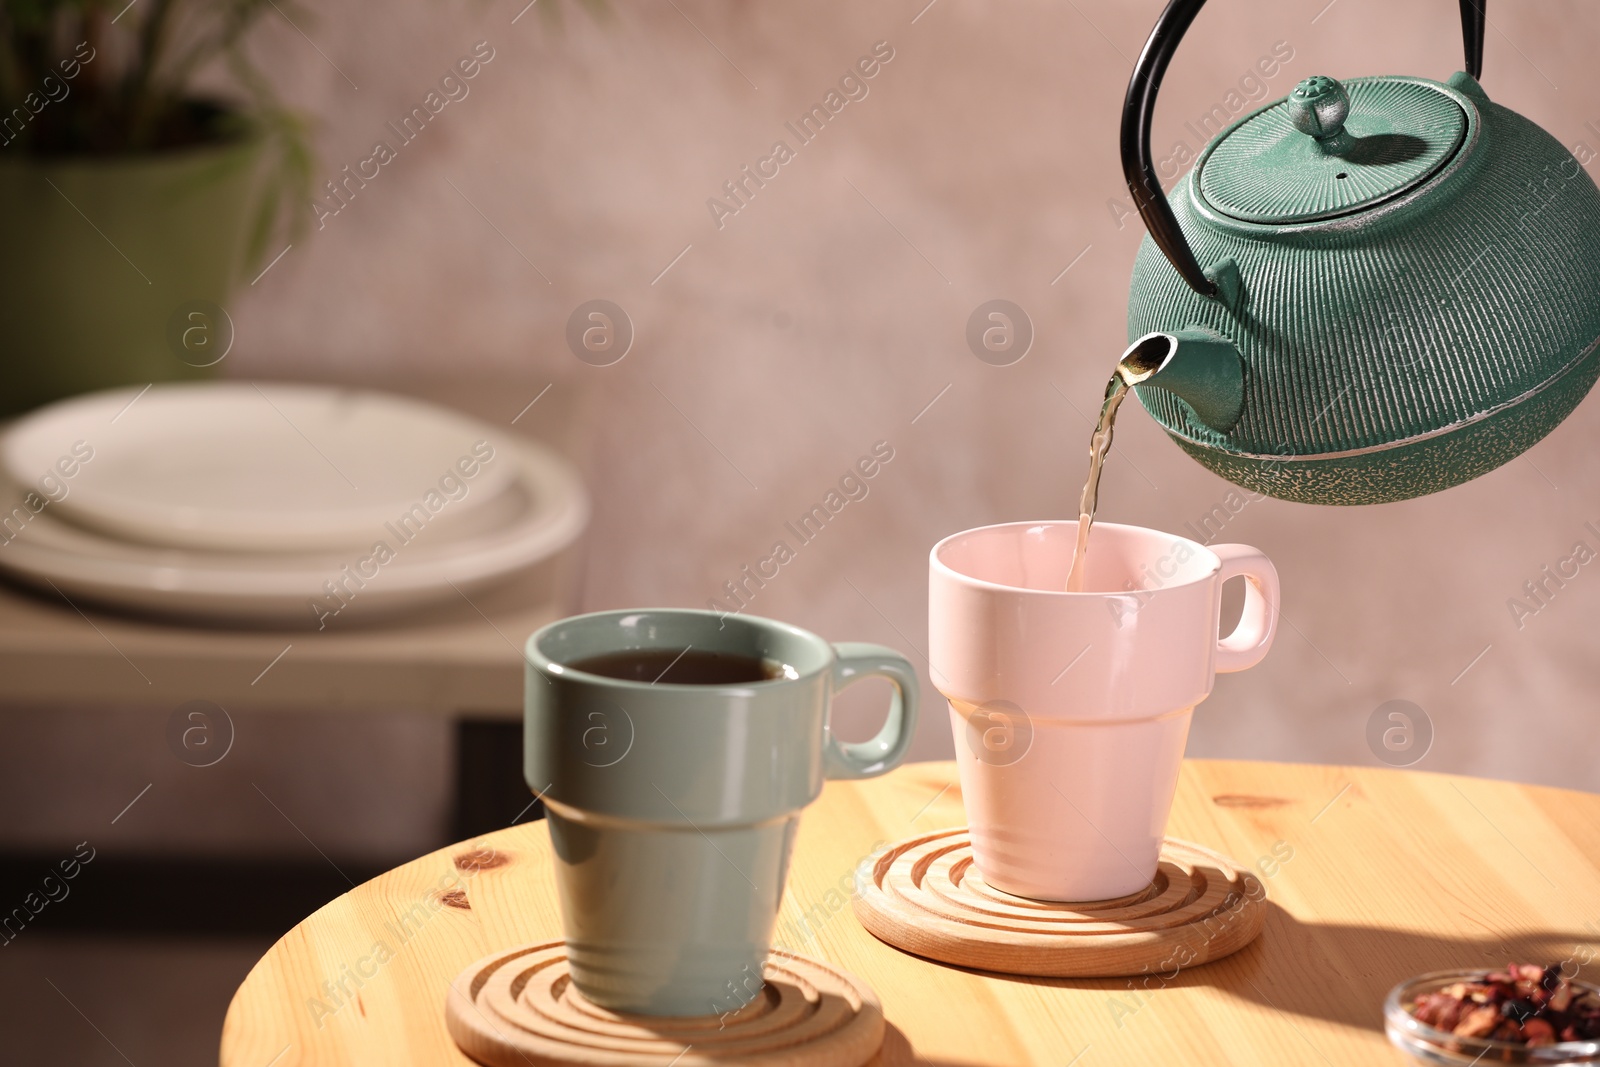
<point>1198,366</point>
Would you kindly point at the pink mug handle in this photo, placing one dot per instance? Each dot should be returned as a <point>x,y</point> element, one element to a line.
<point>1258,624</point>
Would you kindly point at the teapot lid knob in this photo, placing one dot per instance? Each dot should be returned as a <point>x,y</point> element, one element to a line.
<point>1318,106</point>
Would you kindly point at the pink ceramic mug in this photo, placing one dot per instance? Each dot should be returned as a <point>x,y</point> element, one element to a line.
<point>1071,710</point>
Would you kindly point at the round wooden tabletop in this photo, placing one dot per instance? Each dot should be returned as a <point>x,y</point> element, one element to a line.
<point>1372,876</point>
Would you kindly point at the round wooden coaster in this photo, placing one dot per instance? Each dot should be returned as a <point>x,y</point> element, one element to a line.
<point>518,1008</point>
<point>924,896</point>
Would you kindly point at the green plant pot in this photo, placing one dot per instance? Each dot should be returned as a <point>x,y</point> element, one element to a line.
<point>105,256</point>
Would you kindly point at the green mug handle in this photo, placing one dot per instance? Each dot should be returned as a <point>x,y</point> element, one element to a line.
<point>853,661</point>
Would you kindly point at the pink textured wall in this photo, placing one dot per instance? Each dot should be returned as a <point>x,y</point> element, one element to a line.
<point>824,315</point>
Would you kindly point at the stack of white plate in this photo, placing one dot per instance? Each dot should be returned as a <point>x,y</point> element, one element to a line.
<point>274,504</point>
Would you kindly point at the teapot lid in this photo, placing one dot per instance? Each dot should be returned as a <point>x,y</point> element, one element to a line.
<point>1329,150</point>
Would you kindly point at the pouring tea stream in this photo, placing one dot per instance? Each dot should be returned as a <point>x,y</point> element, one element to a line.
<point>1199,367</point>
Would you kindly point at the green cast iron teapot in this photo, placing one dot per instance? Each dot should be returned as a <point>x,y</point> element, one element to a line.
<point>1366,291</point>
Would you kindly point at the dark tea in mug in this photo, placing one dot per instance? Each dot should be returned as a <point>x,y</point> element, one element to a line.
<point>676,666</point>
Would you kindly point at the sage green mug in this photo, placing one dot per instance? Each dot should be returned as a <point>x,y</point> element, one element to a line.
<point>673,807</point>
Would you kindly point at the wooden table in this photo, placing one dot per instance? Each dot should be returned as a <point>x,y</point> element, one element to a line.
<point>1373,876</point>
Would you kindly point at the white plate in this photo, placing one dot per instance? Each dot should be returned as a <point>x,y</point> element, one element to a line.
<point>542,511</point>
<point>244,467</point>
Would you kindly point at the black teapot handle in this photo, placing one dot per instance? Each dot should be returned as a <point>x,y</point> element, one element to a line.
<point>1139,108</point>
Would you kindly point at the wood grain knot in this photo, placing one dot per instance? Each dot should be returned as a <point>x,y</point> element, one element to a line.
<point>481,859</point>
<point>1245,800</point>
<point>925,896</point>
<point>519,1009</point>
<point>455,898</point>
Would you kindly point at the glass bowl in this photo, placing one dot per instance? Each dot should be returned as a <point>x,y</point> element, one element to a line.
<point>1431,1045</point>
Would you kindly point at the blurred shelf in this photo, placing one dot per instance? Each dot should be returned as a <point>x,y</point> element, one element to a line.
<point>464,656</point>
